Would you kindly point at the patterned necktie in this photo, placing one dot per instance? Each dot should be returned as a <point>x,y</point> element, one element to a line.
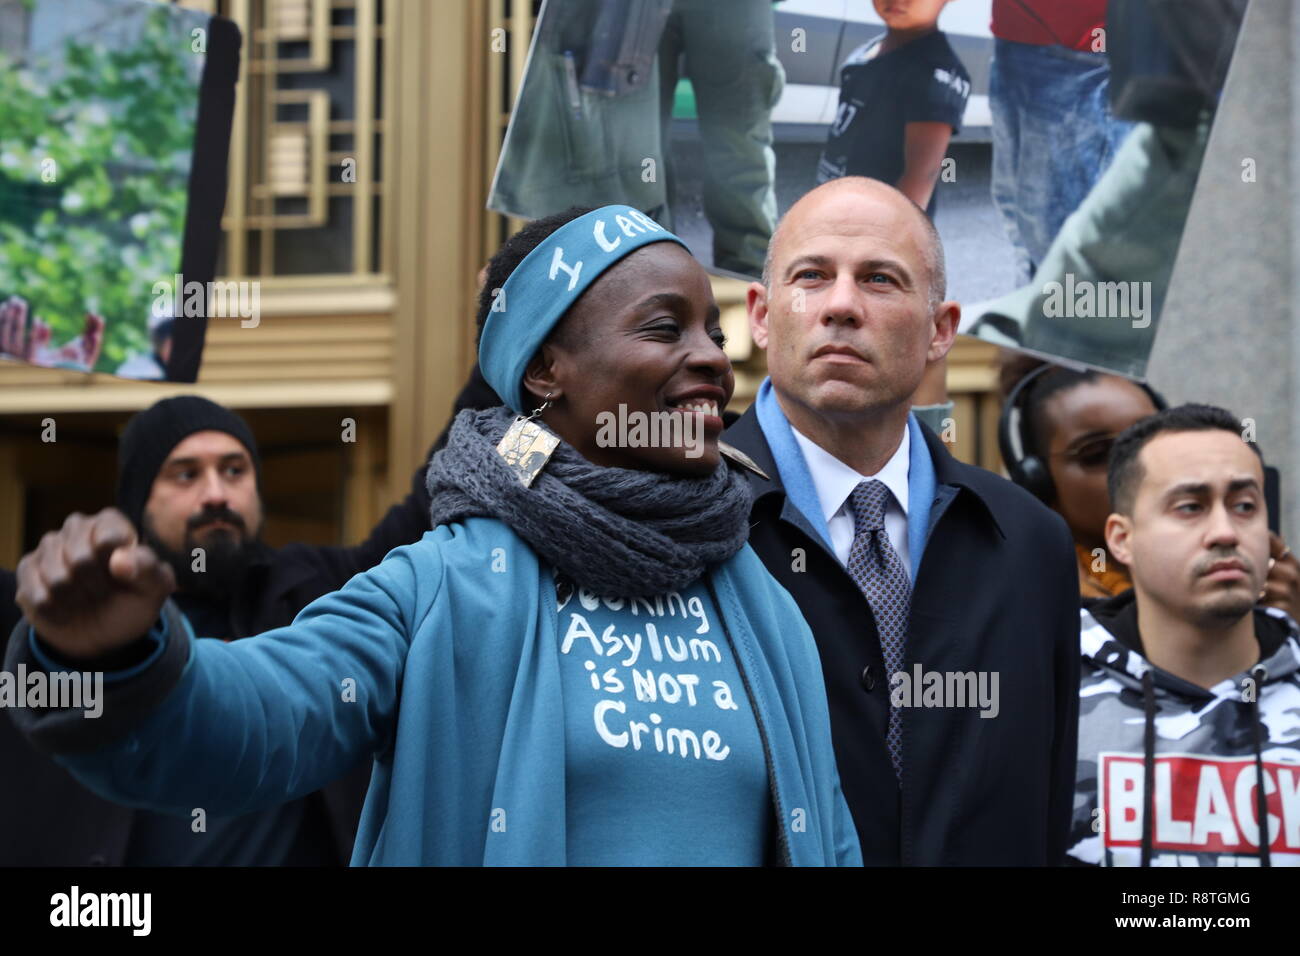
<point>877,570</point>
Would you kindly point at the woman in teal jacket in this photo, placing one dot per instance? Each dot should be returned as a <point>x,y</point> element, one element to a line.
<point>583,663</point>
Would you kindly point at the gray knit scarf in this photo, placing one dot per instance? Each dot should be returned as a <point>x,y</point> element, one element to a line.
<point>615,531</point>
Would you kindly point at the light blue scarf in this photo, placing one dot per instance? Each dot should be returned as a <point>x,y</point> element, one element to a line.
<point>801,491</point>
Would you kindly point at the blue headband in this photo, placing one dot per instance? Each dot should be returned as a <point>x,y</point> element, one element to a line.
<point>548,282</point>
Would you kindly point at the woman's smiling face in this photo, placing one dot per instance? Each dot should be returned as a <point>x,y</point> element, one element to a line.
<point>636,370</point>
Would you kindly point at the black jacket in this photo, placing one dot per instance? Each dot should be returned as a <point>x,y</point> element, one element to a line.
<point>997,592</point>
<point>47,818</point>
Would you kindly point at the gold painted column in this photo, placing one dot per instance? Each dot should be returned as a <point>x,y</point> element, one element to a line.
<point>436,131</point>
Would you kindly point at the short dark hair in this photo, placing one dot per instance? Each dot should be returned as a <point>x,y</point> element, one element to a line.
<point>513,251</point>
<point>1126,472</point>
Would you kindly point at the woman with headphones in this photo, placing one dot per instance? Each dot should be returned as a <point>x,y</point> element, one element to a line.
<point>1055,434</point>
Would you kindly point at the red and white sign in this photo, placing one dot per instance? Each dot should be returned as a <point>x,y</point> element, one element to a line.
<point>1202,804</point>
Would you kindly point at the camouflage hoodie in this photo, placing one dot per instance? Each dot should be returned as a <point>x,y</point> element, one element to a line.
<point>1144,734</point>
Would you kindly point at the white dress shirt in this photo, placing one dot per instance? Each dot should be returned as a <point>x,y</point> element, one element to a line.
<point>835,482</point>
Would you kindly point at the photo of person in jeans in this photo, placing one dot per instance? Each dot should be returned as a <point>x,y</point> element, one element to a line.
<point>1053,131</point>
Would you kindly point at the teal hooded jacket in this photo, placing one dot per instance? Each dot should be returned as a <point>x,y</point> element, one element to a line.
<point>442,662</point>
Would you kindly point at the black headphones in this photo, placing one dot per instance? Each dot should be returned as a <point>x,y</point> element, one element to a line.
<point>1024,467</point>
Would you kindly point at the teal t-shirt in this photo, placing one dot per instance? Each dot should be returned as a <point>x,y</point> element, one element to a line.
<point>664,765</point>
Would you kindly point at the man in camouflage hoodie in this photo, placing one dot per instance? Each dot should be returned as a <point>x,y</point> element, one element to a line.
<point>1190,692</point>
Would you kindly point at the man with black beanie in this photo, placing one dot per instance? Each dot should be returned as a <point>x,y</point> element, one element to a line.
<point>189,480</point>
<point>196,463</point>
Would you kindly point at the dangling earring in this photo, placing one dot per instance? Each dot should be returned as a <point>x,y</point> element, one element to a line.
<point>527,445</point>
<point>546,403</point>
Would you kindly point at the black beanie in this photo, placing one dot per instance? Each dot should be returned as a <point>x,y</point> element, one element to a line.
<point>151,435</point>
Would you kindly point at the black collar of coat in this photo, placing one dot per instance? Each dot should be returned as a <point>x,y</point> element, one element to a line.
<point>982,488</point>
<point>270,591</point>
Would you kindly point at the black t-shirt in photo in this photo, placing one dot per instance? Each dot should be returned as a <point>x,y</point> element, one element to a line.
<point>880,93</point>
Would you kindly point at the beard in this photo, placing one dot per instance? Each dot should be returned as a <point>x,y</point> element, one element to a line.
<point>225,553</point>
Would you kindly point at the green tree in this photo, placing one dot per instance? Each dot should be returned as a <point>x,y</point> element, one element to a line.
<point>96,229</point>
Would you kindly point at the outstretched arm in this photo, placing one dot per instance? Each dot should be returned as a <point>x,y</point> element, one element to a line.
<point>228,728</point>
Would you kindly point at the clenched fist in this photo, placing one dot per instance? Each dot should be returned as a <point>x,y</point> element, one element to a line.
<point>91,588</point>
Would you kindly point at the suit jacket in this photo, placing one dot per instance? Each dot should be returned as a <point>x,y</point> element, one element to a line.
<point>995,593</point>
